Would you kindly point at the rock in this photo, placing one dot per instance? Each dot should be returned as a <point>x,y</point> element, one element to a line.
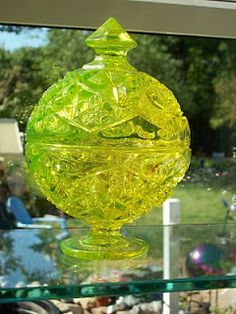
<point>199,308</point>
<point>86,303</point>
<point>129,300</point>
<point>183,295</point>
<point>197,298</point>
<point>123,304</point>
<point>104,301</point>
<point>99,310</point>
<point>76,309</point>
<point>153,307</point>
<point>63,307</point>
<point>116,307</point>
<point>226,297</point>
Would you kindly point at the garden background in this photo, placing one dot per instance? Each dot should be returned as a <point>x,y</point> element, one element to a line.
<point>201,72</point>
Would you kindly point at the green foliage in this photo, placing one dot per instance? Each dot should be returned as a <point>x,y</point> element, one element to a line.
<point>21,83</point>
<point>190,67</point>
<point>201,73</point>
<point>27,72</point>
<point>225,106</point>
<point>154,55</point>
<point>65,51</point>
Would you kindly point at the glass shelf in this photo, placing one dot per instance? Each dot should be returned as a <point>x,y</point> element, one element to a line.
<point>33,267</point>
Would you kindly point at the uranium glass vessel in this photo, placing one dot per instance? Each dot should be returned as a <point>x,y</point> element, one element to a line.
<point>107,143</point>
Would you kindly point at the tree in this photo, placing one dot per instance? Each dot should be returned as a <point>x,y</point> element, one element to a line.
<point>27,72</point>
<point>225,89</point>
<point>225,106</point>
<point>188,66</point>
<point>65,51</point>
<point>199,71</point>
<point>223,119</point>
<point>21,84</point>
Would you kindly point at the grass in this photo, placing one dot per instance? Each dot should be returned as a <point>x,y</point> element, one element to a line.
<point>199,205</point>
<point>201,193</point>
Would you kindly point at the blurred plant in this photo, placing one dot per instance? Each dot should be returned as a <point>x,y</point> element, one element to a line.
<point>214,174</point>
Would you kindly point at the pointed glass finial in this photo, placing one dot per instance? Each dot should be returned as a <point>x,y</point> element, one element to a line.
<point>111,38</point>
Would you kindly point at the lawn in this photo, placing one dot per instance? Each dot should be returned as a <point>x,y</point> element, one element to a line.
<point>199,204</point>
<point>201,193</point>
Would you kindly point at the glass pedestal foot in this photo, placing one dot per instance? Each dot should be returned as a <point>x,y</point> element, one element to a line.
<point>104,247</point>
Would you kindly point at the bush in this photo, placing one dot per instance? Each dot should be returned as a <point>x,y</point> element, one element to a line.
<point>213,173</point>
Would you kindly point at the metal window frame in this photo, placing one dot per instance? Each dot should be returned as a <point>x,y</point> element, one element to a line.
<point>182,17</point>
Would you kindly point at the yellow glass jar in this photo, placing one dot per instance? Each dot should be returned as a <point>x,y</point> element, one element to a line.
<point>107,143</point>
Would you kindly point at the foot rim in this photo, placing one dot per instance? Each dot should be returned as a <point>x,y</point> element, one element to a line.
<point>125,248</point>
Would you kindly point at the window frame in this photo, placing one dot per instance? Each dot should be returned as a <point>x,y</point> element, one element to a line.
<point>179,17</point>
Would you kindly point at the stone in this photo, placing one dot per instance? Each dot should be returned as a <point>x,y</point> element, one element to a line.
<point>99,310</point>
<point>104,301</point>
<point>226,297</point>
<point>129,300</point>
<point>199,308</point>
<point>62,306</point>
<point>116,307</point>
<point>76,309</point>
<point>153,307</point>
<point>86,303</point>
<point>198,298</point>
